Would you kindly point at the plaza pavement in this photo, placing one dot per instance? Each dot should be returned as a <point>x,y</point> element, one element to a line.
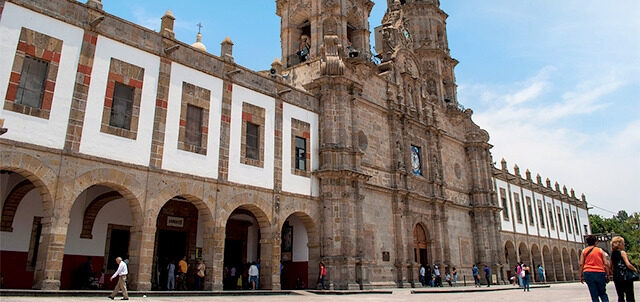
<point>556,292</point>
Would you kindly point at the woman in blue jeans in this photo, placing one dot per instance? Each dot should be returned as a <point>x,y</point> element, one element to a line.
<point>527,277</point>
<point>594,269</point>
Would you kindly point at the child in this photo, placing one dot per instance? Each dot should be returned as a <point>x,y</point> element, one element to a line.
<point>101,280</point>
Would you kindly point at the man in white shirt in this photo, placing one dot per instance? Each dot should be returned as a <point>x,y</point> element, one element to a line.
<point>253,275</point>
<point>122,273</point>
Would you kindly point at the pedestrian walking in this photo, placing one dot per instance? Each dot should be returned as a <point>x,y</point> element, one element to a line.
<point>200,273</point>
<point>519,274</point>
<point>121,273</point>
<point>436,272</point>
<point>541,273</point>
<point>455,276</point>
<point>422,274</point>
<point>621,268</point>
<point>594,269</point>
<point>253,275</point>
<point>182,273</point>
<point>322,274</point>
<point>527,277</point>
<point>171,276</point>
<point>487,273</point>
<point>476,273</point>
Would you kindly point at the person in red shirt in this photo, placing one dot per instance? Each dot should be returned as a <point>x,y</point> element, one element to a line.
<point>594,269</point>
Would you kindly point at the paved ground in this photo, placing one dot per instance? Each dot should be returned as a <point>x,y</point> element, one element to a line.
<point>557,292</point>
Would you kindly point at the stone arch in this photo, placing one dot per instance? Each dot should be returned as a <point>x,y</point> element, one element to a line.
<point>43,178</point>
<point>566,261</point>
<point>241,201</point>
<point>421,243</point>
<point>132,190</point>
<point>524,254</point>
<point>11,204</point>
<point>557,264</point>
<point>575,264</point>
<point>548,264</point>
<point>536,259</point>
<point>313,244</point>
<point>510,255</point>
<point>195,194</point>
<point>92,210</point>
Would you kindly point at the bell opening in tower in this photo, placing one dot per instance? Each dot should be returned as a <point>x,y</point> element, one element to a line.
<point>304,43</point>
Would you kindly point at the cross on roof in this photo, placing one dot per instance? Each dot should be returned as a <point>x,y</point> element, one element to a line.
<point>200,26</point>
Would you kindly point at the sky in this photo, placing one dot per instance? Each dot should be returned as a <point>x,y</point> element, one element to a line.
<point>555,83</point>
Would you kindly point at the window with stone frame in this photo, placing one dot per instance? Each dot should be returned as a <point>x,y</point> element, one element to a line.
<point>566,215</point>
<point>253,122</point>
<point>194,119</point>
<point>552,224</point>
<point>300,155</point>
<point>559,213</point>
<point>503,202</point>
<point>541,214</point>
<point>516,197</point>
<point>530,211</point>
<point>122,99</point>
<point>575,223</point>
<point>33,74</point>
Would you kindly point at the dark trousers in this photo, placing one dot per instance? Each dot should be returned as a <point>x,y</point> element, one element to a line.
<point>596,282</point>
<point>525,282</point>
<point>624,288</point>
<point>488,280</point>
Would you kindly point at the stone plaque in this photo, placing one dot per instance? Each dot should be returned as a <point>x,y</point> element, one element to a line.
<point>174,221</point>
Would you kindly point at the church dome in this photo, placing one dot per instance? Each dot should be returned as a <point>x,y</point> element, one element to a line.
<point>198,44</point>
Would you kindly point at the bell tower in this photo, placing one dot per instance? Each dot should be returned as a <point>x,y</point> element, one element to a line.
<point>420,27</point>
<point>304,23</point>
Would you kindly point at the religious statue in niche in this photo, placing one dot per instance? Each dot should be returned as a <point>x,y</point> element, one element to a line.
<point>399,154</point>
<point>416,165</point>
<point>303,50</point>
<point>431,87</point>
<point>409,96</point>
<point>436,168</point>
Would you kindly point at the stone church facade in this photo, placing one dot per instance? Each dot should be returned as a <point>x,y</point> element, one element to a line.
<point>123,141</point>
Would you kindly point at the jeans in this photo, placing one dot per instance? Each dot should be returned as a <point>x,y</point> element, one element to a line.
<point>624,288</point>
<point>171,282</point>
<point>254,280</point>
<point>520,281</point>
<point>525,282</point>
<point>596,282</point>
<point>541,277</point>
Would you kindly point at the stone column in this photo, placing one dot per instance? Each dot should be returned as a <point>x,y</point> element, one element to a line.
<point>270,259</point>
<point>51,252</point>
<point>215,273</point>
<point>208,254</point>
<point>141,253</point>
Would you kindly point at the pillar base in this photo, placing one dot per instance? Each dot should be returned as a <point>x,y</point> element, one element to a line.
<point>48,285</point>
<point>143,286</point>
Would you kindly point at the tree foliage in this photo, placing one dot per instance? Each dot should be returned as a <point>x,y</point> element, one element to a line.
<point>623,224</point>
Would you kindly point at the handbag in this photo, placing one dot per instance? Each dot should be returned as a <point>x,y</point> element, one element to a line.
<point>630,275</point>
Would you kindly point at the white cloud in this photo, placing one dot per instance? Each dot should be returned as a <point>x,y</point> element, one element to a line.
<point>528,129</point>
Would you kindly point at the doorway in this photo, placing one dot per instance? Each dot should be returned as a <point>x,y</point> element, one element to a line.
<point>241,247</point>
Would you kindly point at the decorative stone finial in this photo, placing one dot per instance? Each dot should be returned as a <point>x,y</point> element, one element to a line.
<point>573,193</point>
<point>557,185</point>
<point>276,65</point>
<point>528,174</point>
<point>539,179</point>
<point>584,198</point>
<point>516,170</point>
<point>548,181</point>
<point>198,44</point>
<point>503,163</point>
<point>166,25</point>
<point>564,190</point>
<point>226,51</point>
<point>97,4</point>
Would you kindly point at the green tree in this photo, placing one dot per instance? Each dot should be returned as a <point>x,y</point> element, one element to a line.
<point>623,224</point>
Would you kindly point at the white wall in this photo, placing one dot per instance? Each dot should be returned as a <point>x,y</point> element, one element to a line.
<point>300,247</point>
<point>507,225</point>
<point>543,223</point>
<point>583,216</point>
<point>291,182</point>
<point>182,161</point>
<point>100,144</point>
<point>50,133</point>
<point>18,240</point>
<point>114,212</point>
<point>247,174</point>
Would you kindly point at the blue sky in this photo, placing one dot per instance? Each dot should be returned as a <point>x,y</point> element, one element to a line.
<point>556,83</point>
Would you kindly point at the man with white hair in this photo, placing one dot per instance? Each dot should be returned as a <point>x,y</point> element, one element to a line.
<point>121,272</point>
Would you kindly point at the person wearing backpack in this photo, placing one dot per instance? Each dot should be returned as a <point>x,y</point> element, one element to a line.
<point>594,269</point>
<point>622,270</point>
